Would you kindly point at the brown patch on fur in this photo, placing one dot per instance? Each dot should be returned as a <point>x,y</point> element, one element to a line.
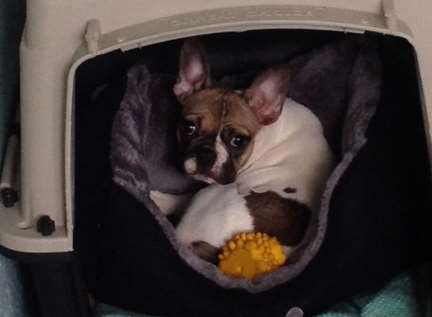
<point>239,115</point>
<point>205,251</point>
<point>205,105</point>
<point>284,218</point>
<point>290,190</point>
<point>220,108</point>
<point>241,118</point>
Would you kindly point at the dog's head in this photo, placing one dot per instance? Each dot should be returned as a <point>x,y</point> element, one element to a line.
<point>217,129</point>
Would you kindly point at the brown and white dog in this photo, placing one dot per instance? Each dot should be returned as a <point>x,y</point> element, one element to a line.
<point>264,156</point>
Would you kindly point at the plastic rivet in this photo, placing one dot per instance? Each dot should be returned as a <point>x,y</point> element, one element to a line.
<point>9,197</point>
<point>45,226</point>
<point>295,312</point>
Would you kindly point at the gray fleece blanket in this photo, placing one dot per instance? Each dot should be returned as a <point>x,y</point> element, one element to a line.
<point>340,82</point>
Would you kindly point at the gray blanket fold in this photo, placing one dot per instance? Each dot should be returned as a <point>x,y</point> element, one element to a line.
<point>143,140</point>
<point>340,82</point>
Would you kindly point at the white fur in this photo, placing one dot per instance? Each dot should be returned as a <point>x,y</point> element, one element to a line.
<point>292,152</point>
<point>169,203</point>
<point>221,156</point>
<point>216,214</point>
<point>190,165</point>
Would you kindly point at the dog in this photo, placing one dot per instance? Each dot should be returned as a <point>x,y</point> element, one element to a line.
<point>263,155</point>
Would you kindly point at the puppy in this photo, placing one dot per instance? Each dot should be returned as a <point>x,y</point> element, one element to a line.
<point>264,157</point>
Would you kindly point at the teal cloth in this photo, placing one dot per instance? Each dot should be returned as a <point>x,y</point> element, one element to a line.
<point>396,299</point>
<point>12,303</point>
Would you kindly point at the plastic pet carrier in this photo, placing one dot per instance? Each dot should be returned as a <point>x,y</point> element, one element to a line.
<point>97,139</point>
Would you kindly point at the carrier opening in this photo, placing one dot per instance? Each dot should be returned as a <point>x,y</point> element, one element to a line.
<point>364,90</point>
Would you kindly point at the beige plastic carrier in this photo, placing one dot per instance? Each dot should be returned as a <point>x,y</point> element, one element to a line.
<point>61,34</point>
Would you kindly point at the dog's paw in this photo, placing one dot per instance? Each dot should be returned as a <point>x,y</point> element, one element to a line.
<point>205,251</point>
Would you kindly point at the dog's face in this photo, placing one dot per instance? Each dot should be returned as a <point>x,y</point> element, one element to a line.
<point>217,129</point>
<point>216,134</point>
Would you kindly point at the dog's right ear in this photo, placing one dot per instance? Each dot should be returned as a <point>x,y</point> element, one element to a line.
<point>193,70</point>
<point>266,95</point>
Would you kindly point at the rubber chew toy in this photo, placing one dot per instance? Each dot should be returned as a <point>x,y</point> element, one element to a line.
<point>249,255</point>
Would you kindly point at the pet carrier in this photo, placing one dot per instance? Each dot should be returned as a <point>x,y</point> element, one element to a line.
<point>96,135</point>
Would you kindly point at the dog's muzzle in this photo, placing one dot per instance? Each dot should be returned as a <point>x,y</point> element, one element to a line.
<point>200,164</point>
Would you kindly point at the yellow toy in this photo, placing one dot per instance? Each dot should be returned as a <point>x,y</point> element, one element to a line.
<point>249,255</point>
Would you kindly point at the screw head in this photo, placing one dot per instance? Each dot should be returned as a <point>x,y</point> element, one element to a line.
<point>45,225</point>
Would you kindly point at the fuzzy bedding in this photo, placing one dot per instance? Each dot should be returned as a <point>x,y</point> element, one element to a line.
<point>372,223</point>
<point>340,82</point>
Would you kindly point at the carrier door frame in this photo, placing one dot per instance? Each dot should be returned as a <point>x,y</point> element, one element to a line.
<point>18,230</point>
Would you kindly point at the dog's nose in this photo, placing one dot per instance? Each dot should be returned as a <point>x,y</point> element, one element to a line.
<point>205,159</point>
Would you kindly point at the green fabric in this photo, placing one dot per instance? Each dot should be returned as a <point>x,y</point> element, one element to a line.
<point>396,299</point>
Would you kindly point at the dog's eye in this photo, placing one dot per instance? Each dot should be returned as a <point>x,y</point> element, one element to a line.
<point>239,141</point>
<point>190,128</point>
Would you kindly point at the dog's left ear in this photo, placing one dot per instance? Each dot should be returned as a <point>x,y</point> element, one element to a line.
<point>267,94</point>
<point>193,69</point>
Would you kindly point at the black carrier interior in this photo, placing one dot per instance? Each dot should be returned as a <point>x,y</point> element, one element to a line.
<point>126,260</point>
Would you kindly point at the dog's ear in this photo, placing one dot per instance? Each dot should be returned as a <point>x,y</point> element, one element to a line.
<point>267,94</point>
<point>193,70</point>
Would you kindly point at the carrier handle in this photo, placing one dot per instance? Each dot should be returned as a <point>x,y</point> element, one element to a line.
<point>92,35</point>
<point>390,16</point>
